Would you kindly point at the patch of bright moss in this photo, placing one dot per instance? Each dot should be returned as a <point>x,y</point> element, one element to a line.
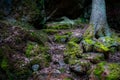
<point>99,69</point>
<point>114,71</point>
<point>61,38</point>
<point>112,68</point>
<point>89,41</point>
<point>32,49</point>
<point>72,51</point>
<point>88,44</point>
<point>101,47</point>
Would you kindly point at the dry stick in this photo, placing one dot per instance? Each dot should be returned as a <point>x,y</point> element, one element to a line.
<point>51,14</point>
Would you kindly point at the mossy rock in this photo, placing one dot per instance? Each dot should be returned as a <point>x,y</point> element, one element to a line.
<point>93,57</point>
<point>88,44</point>
<point>72,52</point>
<point>100,47</point>
<point>37,54</point>
<point>103,44</point>
<point>73,49</point>
<point>41,60</point>
<point>80,66</point>
<point>75,39</point>
<point>62,38</point>
<point>107,71</point>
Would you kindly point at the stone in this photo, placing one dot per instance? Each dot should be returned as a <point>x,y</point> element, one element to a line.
<point>81,66</point>
<point>35,67</point>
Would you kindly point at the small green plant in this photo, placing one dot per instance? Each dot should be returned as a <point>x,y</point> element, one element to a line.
<point>4,64</point>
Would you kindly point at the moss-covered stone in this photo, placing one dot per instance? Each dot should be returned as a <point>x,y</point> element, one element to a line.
<point>61,38</point>
<point>73,49</point>
<point>100,47</point>
<point>37,54</point>
<point>107,71</point>
<point>81,66</point>
<point>88,44</point>
<point>72,52</point>
<point>75,39</point>
<point>93,57</point>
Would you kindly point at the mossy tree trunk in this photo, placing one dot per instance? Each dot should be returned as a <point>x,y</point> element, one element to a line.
<point>98,20</point>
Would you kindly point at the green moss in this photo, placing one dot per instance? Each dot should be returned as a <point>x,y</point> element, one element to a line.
<point>73,44</point>
<point>4,64</point>
<point>88,44</point>
<point>112,68</point>
<point>89,41</point>
<point>50,31</point>
<point>73,61</point>
<point>38,54</point>
<point>58,26</point>
<point>75,39</point>
<point>114,72</point>
<point>45,59</point>
<point>72,51</point>
<point>101,47</point>
<point>67,79</point>
<point>61,38</point>
<point>32,49</point>
<point>99,69</point>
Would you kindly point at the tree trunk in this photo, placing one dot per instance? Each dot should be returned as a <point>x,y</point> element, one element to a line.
<point>98,19</point>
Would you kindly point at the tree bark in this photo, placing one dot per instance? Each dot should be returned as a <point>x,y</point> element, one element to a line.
<point>98,18</point>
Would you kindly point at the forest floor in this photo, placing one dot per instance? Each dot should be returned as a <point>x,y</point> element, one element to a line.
<point>17,39</point>
<point>58,69</point>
